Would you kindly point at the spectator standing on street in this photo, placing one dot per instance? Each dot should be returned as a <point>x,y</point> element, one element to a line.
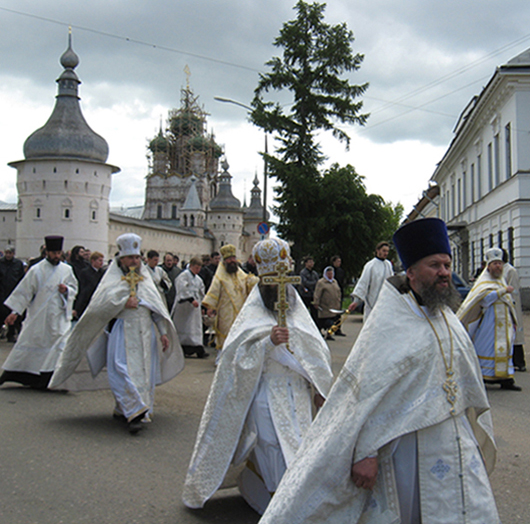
<point>309,279</point>
<point>208,271</point>
<point>512,279</point>
<point>11,273</point>
<point>173,271</point>
<point>327,297</point>
<point>89,279</point>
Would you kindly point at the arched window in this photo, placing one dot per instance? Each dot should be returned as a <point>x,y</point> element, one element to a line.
<point>93,210</point>
<point>185,220</point>
<point>192,221</point>
<point>67,205</point>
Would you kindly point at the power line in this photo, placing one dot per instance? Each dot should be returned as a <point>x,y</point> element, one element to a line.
<point>132,40</point>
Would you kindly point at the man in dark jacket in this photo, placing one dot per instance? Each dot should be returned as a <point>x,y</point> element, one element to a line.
<point>11,273</point>
<point>307,287</point>
<point>89,279</point>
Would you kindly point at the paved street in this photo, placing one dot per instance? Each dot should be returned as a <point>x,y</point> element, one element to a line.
<point>65,460</point>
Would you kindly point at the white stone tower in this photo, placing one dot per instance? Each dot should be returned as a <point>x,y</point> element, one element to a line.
<point>254,215</point>
<point>64,183</point>
<point>225,217</point>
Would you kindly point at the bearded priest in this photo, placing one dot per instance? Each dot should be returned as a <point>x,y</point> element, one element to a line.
<point>227,293</point>
<point>126,328</point>
<point>489,315</point>
<point>259,406</point>
<point>47,294</point>
<point>405,435</point>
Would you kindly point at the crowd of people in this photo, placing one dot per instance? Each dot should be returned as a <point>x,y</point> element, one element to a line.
<point>133,321</point>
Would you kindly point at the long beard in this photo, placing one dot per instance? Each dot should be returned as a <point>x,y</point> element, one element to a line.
<point>435,298</point>
<point>231,267</point>
<point>269,295</point>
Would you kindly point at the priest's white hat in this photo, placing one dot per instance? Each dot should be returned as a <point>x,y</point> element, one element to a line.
<point>129,244</point>
<point>268,253</point>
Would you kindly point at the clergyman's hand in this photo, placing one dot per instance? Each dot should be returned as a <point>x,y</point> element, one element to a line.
<point>509,289</point>
<point>132,303</point>
<point>364,473</point>
<point>318,400</point>
<point>279,335</point>
<point>165,342</point>
<point>10,319</point>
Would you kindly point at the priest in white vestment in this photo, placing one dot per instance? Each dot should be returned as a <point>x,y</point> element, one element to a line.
<point>369,285</point>
<point>160,277</point>
<point>47,293</point>
<point>488,313</point>
<point>127,328</point>
<point>187,314</point>
<point>259,406</point>
<point>405,436</point>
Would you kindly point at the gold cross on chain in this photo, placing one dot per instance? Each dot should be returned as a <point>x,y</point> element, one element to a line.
<point>281,279</point>
<point>132,278</point>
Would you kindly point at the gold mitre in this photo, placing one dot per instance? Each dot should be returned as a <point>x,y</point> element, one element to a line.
<point>227,251</point>
<point>268,253</point>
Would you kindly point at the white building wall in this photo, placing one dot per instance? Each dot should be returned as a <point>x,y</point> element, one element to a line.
<point>161,238</point>
<point>484,179</point>
<point>62,197</point>
<point>8,227</point>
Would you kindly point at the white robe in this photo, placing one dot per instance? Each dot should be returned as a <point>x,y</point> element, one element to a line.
<point>188,319</point>
<point>512,279</point>
<point>133,342</point>
<point>368,287</point>
<point>389,389</point>
<point>259,406</point>
<point>488,313</point>
<point>159,276</point>
<point>48,318</point>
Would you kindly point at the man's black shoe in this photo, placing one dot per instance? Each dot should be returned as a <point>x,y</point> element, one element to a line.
<point>511,386</point>
<point>135,425</point>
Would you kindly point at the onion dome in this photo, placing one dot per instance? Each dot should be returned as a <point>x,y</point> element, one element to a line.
<point>159,144</point>
<point>225,200</point>
<point>66,133</point>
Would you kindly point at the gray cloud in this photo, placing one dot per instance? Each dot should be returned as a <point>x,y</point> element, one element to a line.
<point>452,46</point>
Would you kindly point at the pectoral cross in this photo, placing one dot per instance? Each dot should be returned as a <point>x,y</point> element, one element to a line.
<point>451,388</point>
<point>281,279</point>
<point>132,278</point>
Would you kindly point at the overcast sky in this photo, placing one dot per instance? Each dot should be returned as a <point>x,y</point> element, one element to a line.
<point>424,60</point>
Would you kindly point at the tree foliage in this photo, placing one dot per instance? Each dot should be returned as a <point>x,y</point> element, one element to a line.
<point>353,221</point>
<point>322,213</point>
<point>315,54</point>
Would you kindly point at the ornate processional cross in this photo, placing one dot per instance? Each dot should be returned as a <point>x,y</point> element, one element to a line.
<point>132,278</point>
<point>281,279</point>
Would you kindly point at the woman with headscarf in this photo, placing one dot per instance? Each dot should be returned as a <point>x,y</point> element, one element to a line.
<point>327,296</point>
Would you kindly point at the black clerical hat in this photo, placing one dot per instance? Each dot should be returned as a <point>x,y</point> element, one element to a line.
<point>54,243</point>
<point>421,238</point>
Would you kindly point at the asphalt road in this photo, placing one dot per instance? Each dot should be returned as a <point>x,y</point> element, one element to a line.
<point>65,460</point>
